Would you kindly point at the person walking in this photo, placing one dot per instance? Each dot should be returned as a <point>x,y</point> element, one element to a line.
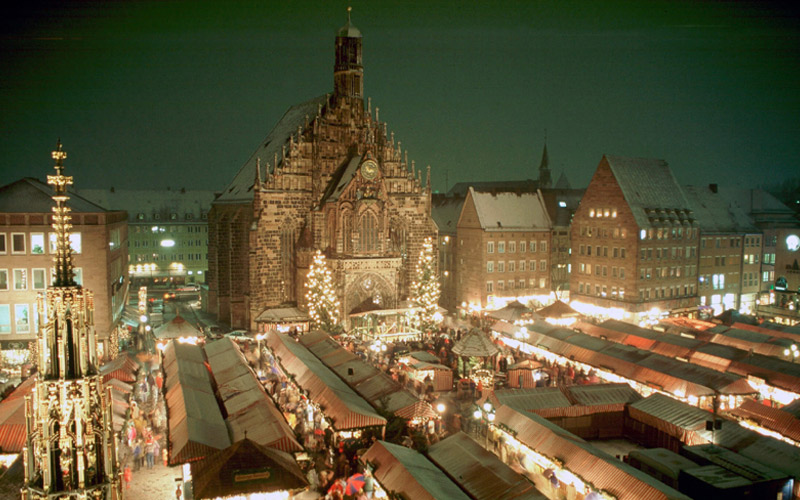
<point>137,453</point>
<point>127,475</point>
<point>149,448</point>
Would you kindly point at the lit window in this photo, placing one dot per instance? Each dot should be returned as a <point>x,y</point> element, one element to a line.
<point>20,279</point>
<point>37,243</point>
<point>75,242</point>
<point>5,318</point>
<point>22,318</point>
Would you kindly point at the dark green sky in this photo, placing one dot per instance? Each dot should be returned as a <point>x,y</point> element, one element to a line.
<point>180,93</point>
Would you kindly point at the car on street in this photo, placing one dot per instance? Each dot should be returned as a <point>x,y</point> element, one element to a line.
<point>238,334</point>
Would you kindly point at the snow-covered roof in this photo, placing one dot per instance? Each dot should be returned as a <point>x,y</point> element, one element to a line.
<point>510,211</point>
<point>29,195</point>
<point>241,188</point>
<point>143,205</point>
<point>717,214</point>
<point>650,189</point>
<point>445,211</point>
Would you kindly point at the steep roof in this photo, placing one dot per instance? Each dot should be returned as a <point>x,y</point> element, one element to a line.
<point>650,188</point>
<point>241,188</point>
<point>341,178</point>
<point>445,211</point>
<point>510,211</point>
<point>717,214</point>
<point>29,195</point>
<point>765,209</point>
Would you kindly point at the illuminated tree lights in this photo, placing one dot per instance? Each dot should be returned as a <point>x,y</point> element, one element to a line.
<point>323,305</point>
<point>425,288</point>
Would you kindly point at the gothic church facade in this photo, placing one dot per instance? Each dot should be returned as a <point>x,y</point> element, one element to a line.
<point>329,176</point>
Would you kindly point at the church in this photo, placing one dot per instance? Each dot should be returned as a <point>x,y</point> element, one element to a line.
<point>331,177</point>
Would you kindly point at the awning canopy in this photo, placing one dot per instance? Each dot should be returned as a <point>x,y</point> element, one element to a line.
<point>475,343</point>
<point>281,315</point>
<point>176,328</point>
<point>558,310</point>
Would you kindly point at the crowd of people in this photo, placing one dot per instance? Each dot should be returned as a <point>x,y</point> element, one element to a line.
<point>144,429</point>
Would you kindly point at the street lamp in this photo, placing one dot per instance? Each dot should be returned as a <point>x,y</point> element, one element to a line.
<point>792,353</point>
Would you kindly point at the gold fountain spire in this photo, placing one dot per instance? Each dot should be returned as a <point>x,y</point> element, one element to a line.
<point>62,221</point>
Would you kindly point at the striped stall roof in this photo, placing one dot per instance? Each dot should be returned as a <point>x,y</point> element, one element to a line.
<point>595,467</point>
<point>479,472</point>
<point>408,473</point>
<point>774,419</point>
<point>347,409</point>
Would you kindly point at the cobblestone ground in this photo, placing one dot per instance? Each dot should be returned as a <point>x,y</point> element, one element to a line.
<point>156,483</point>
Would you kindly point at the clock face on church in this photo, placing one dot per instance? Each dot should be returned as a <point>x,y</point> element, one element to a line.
<point>369,169</point>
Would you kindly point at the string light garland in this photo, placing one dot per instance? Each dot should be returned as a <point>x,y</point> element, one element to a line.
<point>323,304</point>
<point>425,290</point>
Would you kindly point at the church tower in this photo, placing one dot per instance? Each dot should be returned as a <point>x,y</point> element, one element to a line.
<point>545,179</point>
<point>69,451</point>
<point>348,72</point>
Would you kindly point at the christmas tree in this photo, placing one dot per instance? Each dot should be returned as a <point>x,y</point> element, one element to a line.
<point>425,288</point>
<point>323,306</point>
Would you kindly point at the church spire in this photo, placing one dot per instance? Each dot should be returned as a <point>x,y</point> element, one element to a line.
<point>61,220</point>
<point>348,73</point>
<point>545,180</point>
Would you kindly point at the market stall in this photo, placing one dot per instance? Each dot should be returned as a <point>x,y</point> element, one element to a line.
<point>527,374</point>
<point>246,468</point>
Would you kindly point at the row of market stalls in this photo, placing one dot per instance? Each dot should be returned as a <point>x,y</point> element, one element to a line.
<point>375,386</point>
<point>341,406</point>
<point>645,371</point>
<point>777,380</point>
<point>224,429</point>
<point>422,366</point>
<point>118,376</point>
<point>543,431</point>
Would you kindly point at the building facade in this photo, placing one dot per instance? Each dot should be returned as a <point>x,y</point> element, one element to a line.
<point>729,252</point>
<point>634,241</point>
<point>329,176</point>
<point>503,244</point>
<point>168,232</point>
<point>99,239</point>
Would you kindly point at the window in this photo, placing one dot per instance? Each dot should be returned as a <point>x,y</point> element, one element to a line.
<point>520,284</point>
<point>140,216</point>
<point>3,249</point>
<point>622,273</point>
<point>522,246</point>
<point>17,243</point>
<point>3,279</point>
<point>542,246</point>
<point>22,318</point>
<point>489,287</point>
<point>5,318</point>
<point>542,282</point>
<point>368,233</point>
<point>522,265</point>
<point>543,265</point>
<point>39,279</point>
<point>501,285</point>
<point>510,284</point>
<point>501,267</point>
<point>20,279</point>
<point>75,242</point>
<point>490,266</point>
<point>512,266</point>
<point>532,246</point>
<point>501,247</point>
<point>113,239</point>
<point>622,253</point>
<point>489,247</point>
<point>531,265</point>
<point>37,243</point>
<point>78,276</point>
<point>512,247</point>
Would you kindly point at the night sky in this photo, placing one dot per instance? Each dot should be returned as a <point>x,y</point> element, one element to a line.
<point>178,93</point>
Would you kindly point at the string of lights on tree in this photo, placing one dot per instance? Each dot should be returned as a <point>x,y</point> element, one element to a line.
<point>425,288</point>
<point>323,305</point>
